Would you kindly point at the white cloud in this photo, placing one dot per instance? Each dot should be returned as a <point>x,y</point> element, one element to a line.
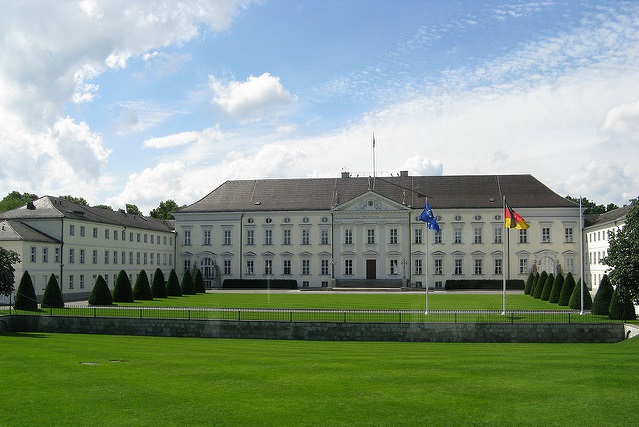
<point>622,122</point>
<point>253,99</point>
<point>172,140</point>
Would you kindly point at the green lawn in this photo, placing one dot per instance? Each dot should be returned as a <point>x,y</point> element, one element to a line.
<point>87,380</point>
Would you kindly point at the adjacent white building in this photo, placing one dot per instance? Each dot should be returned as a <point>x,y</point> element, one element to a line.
<point>325,232</point>
<point>76,243</point>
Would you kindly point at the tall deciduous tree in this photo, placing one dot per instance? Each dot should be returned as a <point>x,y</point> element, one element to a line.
<point>14,200</point>
<point>133,209</point>
<point>7,272</point>
<point>79,200</point>
<point>623,256</point>
<point>165,210</point>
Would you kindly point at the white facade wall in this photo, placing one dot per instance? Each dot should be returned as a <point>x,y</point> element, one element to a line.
<point>597,239</point>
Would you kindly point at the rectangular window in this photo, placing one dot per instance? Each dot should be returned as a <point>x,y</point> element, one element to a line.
<point>106,233</point>
<point>71,280</point>
<point>250,237</point>
<point>287,266</point>
<point>144,258</point>
<point>324,270</point>
<point>71,230</point>
<point>131,258</point>
<point>545,235</point>
<point>523,265</point>
<point>145,238</point>
<point>227,237</point>
<point>187,237</point>
<point>45,254</point>
<point>393,236</point>
<point>393,267</point>
<point>137,258</point>
<point>115,234</point>
<point>306,236</point>
<point>458,267</point>
<point>523,236</point>
<point>418,236</point>
<point>106,257</point>
<point>348,267</point>
<point>348,236</point>
<point>95,256</point>
<point>81,281</point>
<point>324,237</point>
<point>306,266</point>
<point>570,265</point>
<point>81,256</point>
<point>497,234</point>
<point>250,266</point>
<point>33,253</point>
<point>457,235</point>
<point>82,232</point>
<point>187,264</point>
<point>123,235</point>
<point>479,266</point>
<point>207,237</point>
<point>497,266</point>
<point>568,235</point>
<point>268,237</point>
<point>115,257</point>
<point>153,239</point>
<point>227,266</point>
<point>370,236</point>
<point>477,234</point>
<point>124,257</point>
<point>418,266</point>
<point>139,235</point>
<point>286,238</point>
<point>268,266</point>
<point>438,237</point>
<point>95,232</point>
<point>71,256</point>
<point>56,255</point>
<point>439,266</point>
<point>130,236</point>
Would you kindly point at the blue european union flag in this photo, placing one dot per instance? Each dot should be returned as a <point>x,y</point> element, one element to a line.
<point>428,217</point>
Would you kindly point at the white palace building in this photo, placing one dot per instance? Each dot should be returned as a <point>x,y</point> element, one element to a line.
<point>364,232</point>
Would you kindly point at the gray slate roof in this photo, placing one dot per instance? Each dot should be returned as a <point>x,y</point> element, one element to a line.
<point>610,216</point>
<point>55,207</point>
<point>15,230</point>
<point>444,192</point>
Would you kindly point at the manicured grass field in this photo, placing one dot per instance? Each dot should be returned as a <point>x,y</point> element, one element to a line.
<point>87,380</point>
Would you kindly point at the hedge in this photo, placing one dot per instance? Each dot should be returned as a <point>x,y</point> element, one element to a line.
<point>159,286</point>
<point>566,290</point>
<point>621,308</point>
<point>259,284</point>
<point>188,288</point>
<point>539,286</point>
<point>25,295</point>
<point>601,304</point>
<point>122,291</point>
<point>198,282</point>
<point>100,295</point>
<point>173,285</point>
<point>547,289</point>
<point>575,298</point>
<point>52,297</point>
<point>142,289</point>
<point>529,283</point>
<point>483,284</point>
<point>557,285</point>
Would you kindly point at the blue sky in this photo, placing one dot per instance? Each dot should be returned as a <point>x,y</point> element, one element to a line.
<point>125,101</point>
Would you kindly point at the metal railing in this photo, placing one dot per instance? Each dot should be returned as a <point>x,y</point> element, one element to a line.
<point>320,315</point>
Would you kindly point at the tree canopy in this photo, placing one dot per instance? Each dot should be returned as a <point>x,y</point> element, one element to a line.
<point>592,207</point>
<point>7,272</point>
<point>165,210</point>
<point>623,256</point>
<point>14,200</point>
<point>79,200</point>
<point>133,209</point>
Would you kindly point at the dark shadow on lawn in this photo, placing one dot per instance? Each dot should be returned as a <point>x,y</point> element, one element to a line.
<point>23,334</point>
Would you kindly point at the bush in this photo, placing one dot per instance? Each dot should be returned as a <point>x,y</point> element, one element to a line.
<point>122,291</point>
<point>173,285</point>
<point>575,298</point>
<point>25,295</point>
<point>142,289</point>
<point>601,304</point>
<point>188,288</point>
<point>529,283</point>
<point>534,284</point>
<point>198,282</point>
<point>556,288</point>
<point>490,284</point>
<point>159,285</point>
<point>52,297</point>
<point>259,284</point>
<point>621,308</point>
<point>539,286</point>
<point>101,294</point>
<point>545,292</point>
<point>566,290</point>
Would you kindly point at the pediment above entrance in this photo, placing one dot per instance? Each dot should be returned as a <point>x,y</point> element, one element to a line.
<point>370,202</point>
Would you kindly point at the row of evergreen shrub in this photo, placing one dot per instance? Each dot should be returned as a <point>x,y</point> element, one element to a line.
<point>483,284</point>
<point>609,302</point>
<point>259,284</point>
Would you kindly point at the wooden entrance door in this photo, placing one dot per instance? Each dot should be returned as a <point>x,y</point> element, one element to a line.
<point>371,269</point>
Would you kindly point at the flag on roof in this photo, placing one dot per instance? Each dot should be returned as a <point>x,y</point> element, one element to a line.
<point>428,217</point>
<point>513,220</point>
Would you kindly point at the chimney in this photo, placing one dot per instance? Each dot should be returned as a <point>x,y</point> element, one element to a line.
<point>346,174</point>
<point>403,173</point>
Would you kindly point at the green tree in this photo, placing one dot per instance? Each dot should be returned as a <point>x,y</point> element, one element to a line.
<point>173,285</point>
<point>592,207</point>
<point>556,288</point>
<point>165,210</point>
<point>601,304</point>
<point>198,282</point>
<point>188,288</point>
<point>159,286</point>
<point>101,294</point>
<point>142,289</point>
<point>575,297</point>
<point>14,200</point>
<point>621,307</point>
<point>545,292</point>
<point>122,291</point>
<point>539,286</point>
<point>52,297</point>
<point>133,209</point>
<point>25,295</point>
<point>78,200</point>
<point>566,290</point>
<point>529,283</point>
<point>107,207</point>
<point>7,271</point>
<point>623,256</point>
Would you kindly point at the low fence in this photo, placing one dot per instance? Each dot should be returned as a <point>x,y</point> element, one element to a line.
<point>321,315</point>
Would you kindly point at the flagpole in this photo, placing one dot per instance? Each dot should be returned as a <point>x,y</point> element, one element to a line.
<point>374,162</point>
<point>427,262</point>
<point>506,258</point>
<point>581,254</point>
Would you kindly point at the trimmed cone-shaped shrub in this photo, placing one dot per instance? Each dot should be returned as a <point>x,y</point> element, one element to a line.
<point>25,295</point>
<point>173,285</point>
<point>556,288</point>
<point>122,291</point>
<point>159,286</point>
<point>101,294</point>
<point>575,298</point>
<point>601,304</point>
<point>534,284</point>
<point>198,282</point>
<point>539,286</point>
<point>142,289</point>
<point>545,292</point>
<point>621,308</point>
<point>566,290</point>
<point>52,297</point>
<point>188,288</point>
<point>529,283</point>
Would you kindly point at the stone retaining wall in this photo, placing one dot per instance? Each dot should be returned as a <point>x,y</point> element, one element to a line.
<point>324,331</point>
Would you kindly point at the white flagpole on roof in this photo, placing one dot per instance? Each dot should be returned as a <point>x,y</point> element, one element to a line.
<point>505,257</point>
